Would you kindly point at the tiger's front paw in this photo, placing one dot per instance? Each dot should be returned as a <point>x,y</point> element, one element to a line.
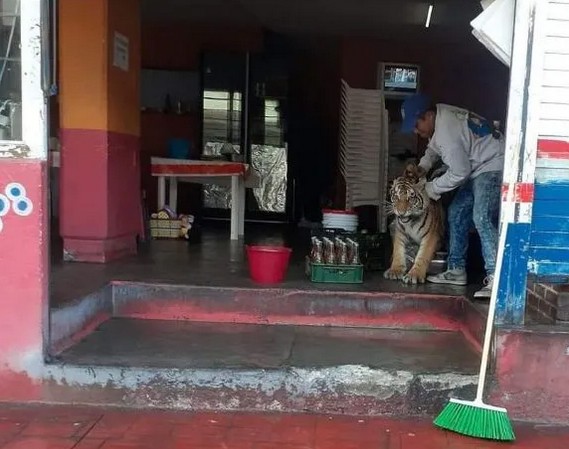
<point>394,273</point>
<point>414,276</point>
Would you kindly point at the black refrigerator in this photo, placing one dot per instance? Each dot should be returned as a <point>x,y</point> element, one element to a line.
<point>244,118</point>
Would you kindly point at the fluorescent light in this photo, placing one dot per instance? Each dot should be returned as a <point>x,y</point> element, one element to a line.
<point>429,14</point>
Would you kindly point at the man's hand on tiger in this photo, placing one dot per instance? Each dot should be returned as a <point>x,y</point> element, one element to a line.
<point>432,195</point>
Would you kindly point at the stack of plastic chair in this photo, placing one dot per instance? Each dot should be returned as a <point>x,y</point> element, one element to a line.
<point>364,152</point>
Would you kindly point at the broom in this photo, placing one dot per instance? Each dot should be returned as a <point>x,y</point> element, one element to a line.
<point>475,418</point>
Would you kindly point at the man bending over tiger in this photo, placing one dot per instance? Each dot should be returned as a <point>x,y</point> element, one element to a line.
<point>474,154</point>
<point>419,221</point>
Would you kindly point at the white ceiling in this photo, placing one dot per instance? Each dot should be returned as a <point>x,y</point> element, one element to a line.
<point>396,19</point>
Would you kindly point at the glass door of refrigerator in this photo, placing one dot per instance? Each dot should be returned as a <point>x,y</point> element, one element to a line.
<point>268,149</point>
<point>223,89</point>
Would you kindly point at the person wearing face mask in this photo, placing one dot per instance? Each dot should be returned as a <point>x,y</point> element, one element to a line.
<point>473,152</point>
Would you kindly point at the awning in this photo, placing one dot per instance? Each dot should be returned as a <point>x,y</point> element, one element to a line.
<point>495,28</point>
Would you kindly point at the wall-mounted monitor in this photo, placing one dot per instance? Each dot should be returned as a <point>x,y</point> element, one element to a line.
<point>398,80</point>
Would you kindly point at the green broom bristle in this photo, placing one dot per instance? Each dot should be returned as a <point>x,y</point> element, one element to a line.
<point>475,421</point>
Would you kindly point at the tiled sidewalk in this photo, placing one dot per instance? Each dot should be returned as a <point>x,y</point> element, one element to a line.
<point>81,428</point>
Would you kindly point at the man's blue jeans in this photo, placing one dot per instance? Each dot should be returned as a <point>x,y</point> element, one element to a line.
<point>476,201</point>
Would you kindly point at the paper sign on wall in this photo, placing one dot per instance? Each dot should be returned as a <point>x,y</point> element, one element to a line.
<point>121,52</point>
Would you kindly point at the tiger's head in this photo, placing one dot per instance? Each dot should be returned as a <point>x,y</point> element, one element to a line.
<point>408,198</point>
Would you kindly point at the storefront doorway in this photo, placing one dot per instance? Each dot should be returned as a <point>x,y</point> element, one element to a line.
<point>107,144</point>
<point>253,84</point>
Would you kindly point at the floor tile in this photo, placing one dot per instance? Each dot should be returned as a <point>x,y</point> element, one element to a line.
<point>66,429</point>
<point>238,435</point>
<point>195,431</point>
<point>113,425</point>
<point>69,428</point>
<point>433,439</point>
<point>89,443</point>
<point>10,428</point>
<point>40,443</point>
<point>282,446</point>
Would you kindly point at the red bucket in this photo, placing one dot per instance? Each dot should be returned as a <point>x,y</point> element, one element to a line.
<point>268,264</point>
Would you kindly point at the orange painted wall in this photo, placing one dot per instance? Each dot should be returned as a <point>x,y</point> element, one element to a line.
<point>95,95</point>
<point>124,87</point>
<point>83,64</point>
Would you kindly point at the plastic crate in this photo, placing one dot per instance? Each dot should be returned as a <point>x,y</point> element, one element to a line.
<point>165,228</point>
<point>375,251</point>
<point>335,274</point>
<point>332,233</point>
<point>374,248</point>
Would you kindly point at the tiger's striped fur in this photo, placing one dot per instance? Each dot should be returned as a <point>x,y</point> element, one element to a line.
<point>418,220</point>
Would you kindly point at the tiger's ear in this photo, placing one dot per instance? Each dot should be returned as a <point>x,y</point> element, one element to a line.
<point>421,182</point>
<point>414,172</point>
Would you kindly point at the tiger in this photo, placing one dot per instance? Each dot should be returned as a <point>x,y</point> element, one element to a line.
<point>418,221</point>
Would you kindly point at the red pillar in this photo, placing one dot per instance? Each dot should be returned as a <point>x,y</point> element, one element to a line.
<point>23,223</point>
<point>23,275</point>
<point>100,128</point>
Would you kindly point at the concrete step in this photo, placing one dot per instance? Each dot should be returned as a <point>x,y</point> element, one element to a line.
<point>406,309</point>
<point>222,366</point>
<point>289,306</point>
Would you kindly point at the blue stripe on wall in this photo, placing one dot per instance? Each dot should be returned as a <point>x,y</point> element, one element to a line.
<point>551,191</point>
<point>549,253</point>
<point>549,279</point>
<point>555,272</point>
<point>557,239</point>
<point>550,224</point>
<point>549,240</point>
<point>510,308</point>
<point>557,208</point>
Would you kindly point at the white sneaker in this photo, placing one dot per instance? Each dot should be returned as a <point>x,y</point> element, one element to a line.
<point>486,291</point>
<point>450,277</point>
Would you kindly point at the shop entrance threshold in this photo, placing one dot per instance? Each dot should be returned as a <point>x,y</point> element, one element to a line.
<point>183,326</point>
<point>331,369</point>
<point>180,346</point>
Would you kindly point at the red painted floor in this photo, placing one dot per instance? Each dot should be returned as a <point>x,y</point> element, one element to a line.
<point>80,428</point>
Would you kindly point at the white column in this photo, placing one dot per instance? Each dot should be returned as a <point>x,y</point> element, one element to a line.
<point>241,187</point>
<point>34,102</point>
<point>521,135</point>
<point>235,207</point>
<point>173,194</point>
<point>533,108</point>
<point>161,192</point>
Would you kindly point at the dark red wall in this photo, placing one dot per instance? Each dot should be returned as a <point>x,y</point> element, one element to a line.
<point>157,130</point>
<point>463,74</point>
<point>315,88</point>
<point>179,48</point>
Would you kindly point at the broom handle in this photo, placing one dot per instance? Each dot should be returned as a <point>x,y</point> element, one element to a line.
<point>509,205</point>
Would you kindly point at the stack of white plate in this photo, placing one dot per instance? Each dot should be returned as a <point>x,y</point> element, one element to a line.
<point>340,219</point>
